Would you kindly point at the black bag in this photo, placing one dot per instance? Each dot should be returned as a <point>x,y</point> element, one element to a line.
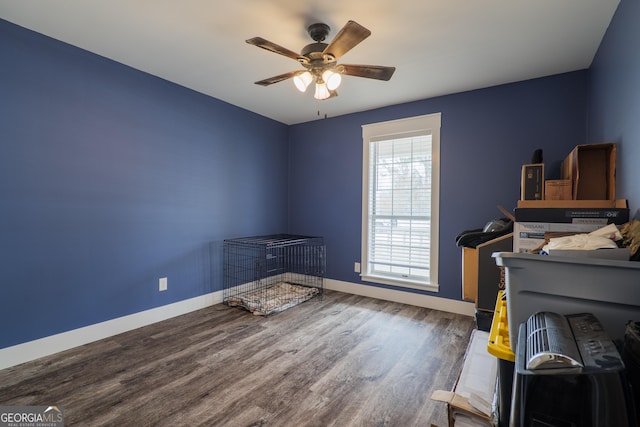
<point>495,228</point>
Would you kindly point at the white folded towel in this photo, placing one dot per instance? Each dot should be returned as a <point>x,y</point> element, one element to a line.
<point>603,238</point>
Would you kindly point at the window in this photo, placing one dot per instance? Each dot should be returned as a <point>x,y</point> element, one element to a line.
<point>400,202</point>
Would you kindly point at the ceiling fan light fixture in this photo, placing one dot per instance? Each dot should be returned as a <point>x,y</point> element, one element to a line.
<point>322,92</point>
<point>303,80</point>
<point>320,60</point>
<point>332,79</point>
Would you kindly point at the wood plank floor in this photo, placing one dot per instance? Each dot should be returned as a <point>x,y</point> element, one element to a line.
<point>339,360</point>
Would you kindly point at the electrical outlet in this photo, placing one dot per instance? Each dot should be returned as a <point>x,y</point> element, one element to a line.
<point>356,267</point>
<point>162,284</point>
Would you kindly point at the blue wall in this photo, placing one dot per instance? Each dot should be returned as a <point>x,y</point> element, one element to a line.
<point>614,113</point>
<point>486,136</point>
<point>110,179</point>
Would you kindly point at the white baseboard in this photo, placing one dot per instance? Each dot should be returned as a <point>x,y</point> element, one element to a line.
<point>46,346</point>
<point>410,298</point>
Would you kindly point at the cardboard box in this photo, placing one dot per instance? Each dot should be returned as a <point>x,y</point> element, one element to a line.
<point>480,274</point>
<point>592,171</point>
<point>557,189</point>
<point>532,183</point>
<point>531,224</point>
<point>530,235</point>
<point>467,401</point>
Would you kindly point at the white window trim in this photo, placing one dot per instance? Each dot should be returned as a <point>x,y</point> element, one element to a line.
<point>397,127</point>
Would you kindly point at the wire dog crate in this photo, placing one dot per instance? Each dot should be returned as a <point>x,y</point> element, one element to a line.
<point>268,274</point>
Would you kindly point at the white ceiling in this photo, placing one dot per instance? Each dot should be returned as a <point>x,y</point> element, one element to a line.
<point>438,47</point>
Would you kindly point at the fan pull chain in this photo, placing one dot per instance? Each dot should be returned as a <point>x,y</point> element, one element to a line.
<point>325,114</point>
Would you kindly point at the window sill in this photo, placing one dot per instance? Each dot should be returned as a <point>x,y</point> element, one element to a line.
<point>400,283</point>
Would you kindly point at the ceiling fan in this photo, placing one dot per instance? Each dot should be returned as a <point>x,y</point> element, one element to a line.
<point>320,60</point>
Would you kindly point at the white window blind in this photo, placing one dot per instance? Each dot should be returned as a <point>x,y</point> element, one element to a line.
<point>400,201</point>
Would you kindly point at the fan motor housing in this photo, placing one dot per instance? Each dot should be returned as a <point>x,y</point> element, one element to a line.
<point>312,48</point>
<point>319,57</point>
<point>318,32</point>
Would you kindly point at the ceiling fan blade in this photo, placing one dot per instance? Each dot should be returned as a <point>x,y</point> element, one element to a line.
<point>270,46</point>
<point>369,71</point>
<point>348,37</point>
<point>276,79</point>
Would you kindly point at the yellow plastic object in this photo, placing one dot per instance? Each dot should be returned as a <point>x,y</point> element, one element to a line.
<point>499,335</point>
